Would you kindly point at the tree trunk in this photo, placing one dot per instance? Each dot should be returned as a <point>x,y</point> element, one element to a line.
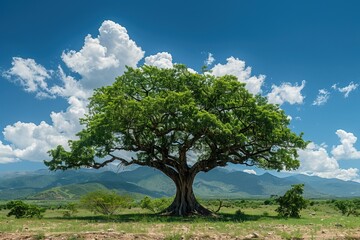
<point>185,203</point>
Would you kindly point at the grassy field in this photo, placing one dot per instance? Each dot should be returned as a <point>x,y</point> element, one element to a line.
<point>243,220</point>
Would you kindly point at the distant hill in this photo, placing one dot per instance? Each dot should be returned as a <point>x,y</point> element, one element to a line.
<point>218,183</point>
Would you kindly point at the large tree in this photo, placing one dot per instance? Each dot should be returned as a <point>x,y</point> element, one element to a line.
<point>180,123</point>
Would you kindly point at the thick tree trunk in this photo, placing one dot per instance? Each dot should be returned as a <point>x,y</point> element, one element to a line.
<point>185,203</point>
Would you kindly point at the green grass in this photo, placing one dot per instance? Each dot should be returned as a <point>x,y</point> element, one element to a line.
<point>254,217</point>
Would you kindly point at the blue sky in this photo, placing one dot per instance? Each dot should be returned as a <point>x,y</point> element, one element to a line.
<point>304,55</point>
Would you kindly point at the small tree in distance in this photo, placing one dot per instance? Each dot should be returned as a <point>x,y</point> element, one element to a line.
<point>105,202</point>
<point>154,205</point>
<point>180,123</point>
<point>292,202</point>
<point>19,209</point>
<point>70,210</point>
<point>348,207</point>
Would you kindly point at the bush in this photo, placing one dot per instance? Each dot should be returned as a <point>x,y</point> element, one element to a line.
<point>155,205</point>
<point>347,207</point>
<point>269,202</point>
<point>239,213</point>
<point>70,210</point>
<point>19,209</point>
<point>105,202</point>
<point>292,202</point>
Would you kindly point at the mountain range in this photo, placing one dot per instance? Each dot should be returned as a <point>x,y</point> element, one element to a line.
<point>143,181</point>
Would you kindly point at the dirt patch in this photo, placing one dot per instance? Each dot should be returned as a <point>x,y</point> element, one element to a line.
<point>80,236</point>
<point>324,234</point>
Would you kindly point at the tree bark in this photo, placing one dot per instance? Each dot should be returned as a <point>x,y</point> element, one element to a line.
<point>185,203</point>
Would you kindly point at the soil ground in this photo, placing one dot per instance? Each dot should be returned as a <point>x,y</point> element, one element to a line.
<point>335,233</point>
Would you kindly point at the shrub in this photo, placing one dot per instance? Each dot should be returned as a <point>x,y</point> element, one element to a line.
<point>70,210</point>
<point>347,207</point>
<point>271,200</point>
<point>155,205</point>
<point>19,209</point>
<point>292,202</point>
<point>239,213</point>
<point>105,202</point>
<point>267,202</point>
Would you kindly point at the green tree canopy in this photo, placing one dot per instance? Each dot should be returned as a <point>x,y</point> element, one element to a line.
<point>105,202</point>
<point>19,209</point>
<point>180,123</point>
<point>292,202</point>
<point>348,207</point>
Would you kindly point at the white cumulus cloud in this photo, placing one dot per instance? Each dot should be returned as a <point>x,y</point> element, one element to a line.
<point>29,74</point>
<point>160,60</point>
<point>347,89</point>
<point>98,62</point>
<point>31,142</point>
<point>70,87</point>
<point>6,154</point>
<point>103,58</point>
<point>67,122</point>
<point>315,161</point>
<point>237,68</point>
<point>33,77</point>
<point>286,92</point>
<point>346,150</point>
<point>210,59</point>
<point>322,97</point>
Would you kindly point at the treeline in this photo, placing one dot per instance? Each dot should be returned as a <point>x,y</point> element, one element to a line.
<point>109,203</point>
